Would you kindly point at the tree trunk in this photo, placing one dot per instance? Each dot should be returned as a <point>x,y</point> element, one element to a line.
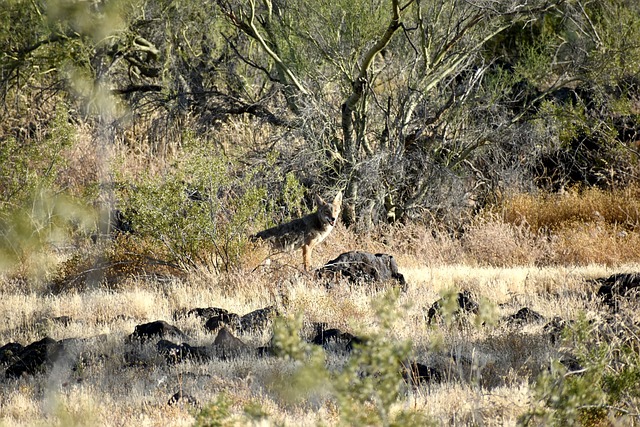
<point>350,148</point>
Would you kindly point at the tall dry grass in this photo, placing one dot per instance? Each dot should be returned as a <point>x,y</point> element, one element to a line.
<point>580,227</point>
<point>620,207</point>
<point>532,251</point>
<point>490,367</point>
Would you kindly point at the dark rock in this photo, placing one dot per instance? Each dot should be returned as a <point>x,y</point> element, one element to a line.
<point>171,351</point>
<point>205,313</point>
<point>175,353</point>
<point>35,357</point>
<point>258,320</point>
<point>416,373</point>
<point>265,351</point>
<point>524,316</point>
<point>159,328</point>
<point>354,343</point>
<point>554,328</point>
<point>572,364</point>
<point>180,398</point>
<point>362,267</point>
<point>227,345</point>
<point>464,302</point>
<point>616,286</point>
<point>195,195</point>
<point>216,322</point>
<point>326,336</point>
<point>80,353</point>
<point>121,223</point>
<point>117,222</point>
<point>199,353</point>
<point>10,352</point>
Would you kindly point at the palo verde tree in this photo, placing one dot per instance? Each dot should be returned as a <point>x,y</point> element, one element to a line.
<point>412,107</point>
<point>427,91</point>
<point>392,70</point>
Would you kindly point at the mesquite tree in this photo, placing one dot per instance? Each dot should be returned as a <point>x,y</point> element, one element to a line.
<point>398,69</point>
<point>415,108</point>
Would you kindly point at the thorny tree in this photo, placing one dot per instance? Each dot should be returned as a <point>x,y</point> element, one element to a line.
<point>418,108</point>
<point>422,87</point>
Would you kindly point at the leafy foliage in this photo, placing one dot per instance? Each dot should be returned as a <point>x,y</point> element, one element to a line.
<point>215,414</point>
<point>28,233</point>
<point>470,100</point>
<point>604,389</point>
<point>198,213</point>
<point>367,387</point>
<point>29,165</point>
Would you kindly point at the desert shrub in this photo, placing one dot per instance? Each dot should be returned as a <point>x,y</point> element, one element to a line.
<point>286,194</point>
<point>292,195</point>
<point>31,164</point>
<point>604,391</point>
<point>201,209</point>
<point>199,213</point>
<point>109,263</point>
<point>215,414</point>
<point>31,231</point>
<point>586,152</point>
<point>368,387</point>
<point>38,214</point>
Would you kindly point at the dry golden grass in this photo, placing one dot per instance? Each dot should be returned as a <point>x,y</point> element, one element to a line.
<point>556,211</point>
<point>85,161</point>
<point>591,226</point>
<point>489,367</point>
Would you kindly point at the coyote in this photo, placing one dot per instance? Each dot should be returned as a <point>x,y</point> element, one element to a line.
<point>305,232</point>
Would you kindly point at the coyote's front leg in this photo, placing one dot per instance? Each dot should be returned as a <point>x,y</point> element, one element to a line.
<point>306,256</point>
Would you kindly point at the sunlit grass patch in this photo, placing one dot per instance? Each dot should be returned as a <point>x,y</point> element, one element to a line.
<point>555,211</point>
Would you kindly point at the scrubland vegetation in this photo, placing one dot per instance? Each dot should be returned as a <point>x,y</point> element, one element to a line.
<point>490,147</point>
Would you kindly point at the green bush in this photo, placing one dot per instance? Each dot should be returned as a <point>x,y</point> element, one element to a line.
<point>215,414</point>
<point>37,214</point>
<point>367,386</point>
<point>199,213</point>
<point>30,231</point>
<point>32,164</point>
<point>605,390</point>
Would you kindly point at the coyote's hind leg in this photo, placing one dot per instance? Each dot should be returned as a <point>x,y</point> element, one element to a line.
<point>306,256</point>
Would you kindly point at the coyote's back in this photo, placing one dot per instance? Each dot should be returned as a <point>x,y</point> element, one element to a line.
<point>305,232</point>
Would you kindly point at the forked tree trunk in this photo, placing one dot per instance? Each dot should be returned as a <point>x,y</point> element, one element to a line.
<point>349,215</point>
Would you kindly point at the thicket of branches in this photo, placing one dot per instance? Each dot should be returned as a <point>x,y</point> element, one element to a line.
<point>424,109</point>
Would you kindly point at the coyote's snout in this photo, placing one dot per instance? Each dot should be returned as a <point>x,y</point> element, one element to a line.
<point>305,232</point>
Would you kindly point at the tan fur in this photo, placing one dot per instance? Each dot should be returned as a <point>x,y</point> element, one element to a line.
<point>306,232</point>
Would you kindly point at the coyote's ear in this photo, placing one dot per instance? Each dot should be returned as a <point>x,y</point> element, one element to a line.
<point>337,201</point>
<point>319,201</point>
